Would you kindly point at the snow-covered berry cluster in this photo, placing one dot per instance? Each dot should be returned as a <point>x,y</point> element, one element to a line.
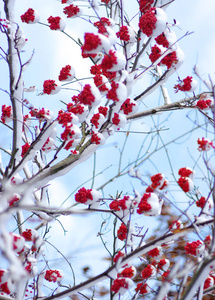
<point>186,180</point>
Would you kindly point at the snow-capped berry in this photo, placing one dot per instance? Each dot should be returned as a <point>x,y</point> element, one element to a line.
<point>102,83</point>
<point>188,84</point>
<point>97,120</point>
<point>43,114</point>
<point>14,199</point>
<point>56,23</point>
<point>65,117</point>
<point>129,106</point>
<point>121,285</point>
<point>206,204</point>
<point>161,40</point>
<point>98,138</point>
<point>204,144</point>
<point>118,92</point>
<point>208,240</point>
<point>204,104</point>
<point>67,1</point>
<point>119,120</point>
<point>30,235</point>
<point>128,272</point>
<point>7,114</point>
<point>4,274</point>
<point>157,180</point>
<point>72,144</point>
<point>187,172</point>
<point>50,87</point>
<point>49,145</point>
<point>186,184</point>
<point>149,205</point>
<point>145,5</point>
<point>176,225</point>
<point>122,232</point>
<point>53,275</point>
<point>4,288</point>
<point>142,288</point>
<point>80,110</point>
<point>121,206</point>
<point>163,264</point>
<point>153,22</point>
<point>17,242</point>
<point>67,73</point>
<point>31,16</point>
<point>166,39</point>
<point>126,33</point>
<point>148,272</point>
<point>194,248</point>
<point>25,148</point>
<point>72,11</point>
<point>90,95</point>
<point>209,282</point>
<point>71,131</point>
<point>87,196</point>
<point>103,24</point>
<point>117,256</point>
<point>105,1</point>
<point>156,252</point>
<point>113,61</point>
<point>170,60</point>
<point>95,43</point>
<point>96,69</point>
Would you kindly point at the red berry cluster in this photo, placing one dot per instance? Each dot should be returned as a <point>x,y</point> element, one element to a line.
<point>127,106</point>
<point>145,5</point>
<point>49,86</point>
<point>201,202</point>
<point>119,283</point>
<point>204,144</point>
<point>86,97</point>
<point>185,172</point>
<point>109,60</point>
<point>154,252</point>
<point>147,272</point>
<point>112,93</point>
<point>120,204</point>
<point>141,288</point>
<point>83,195</point>
<point>116,119</point>
<point>101,25</point>
<point>53,275</point>
<point>204,104</point>
<point>184,184</point>
<point>6,112</point>
<point>71,10</point>
<point>98,80</point>
<point>95,120</point>
<point>65,72</point>
<point>27,234</point>
<point>185,85</point>
<point>191,248</point>
<point>95,139</point>
<point>91,42</point>
<point>64,118</point>
<point>147,21</point>
<point>123,34</point>
<point>54,23</point>
<point>122,232</point>
<point>25,149</point>
<point>144,206</point>
<point>28,16</point>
